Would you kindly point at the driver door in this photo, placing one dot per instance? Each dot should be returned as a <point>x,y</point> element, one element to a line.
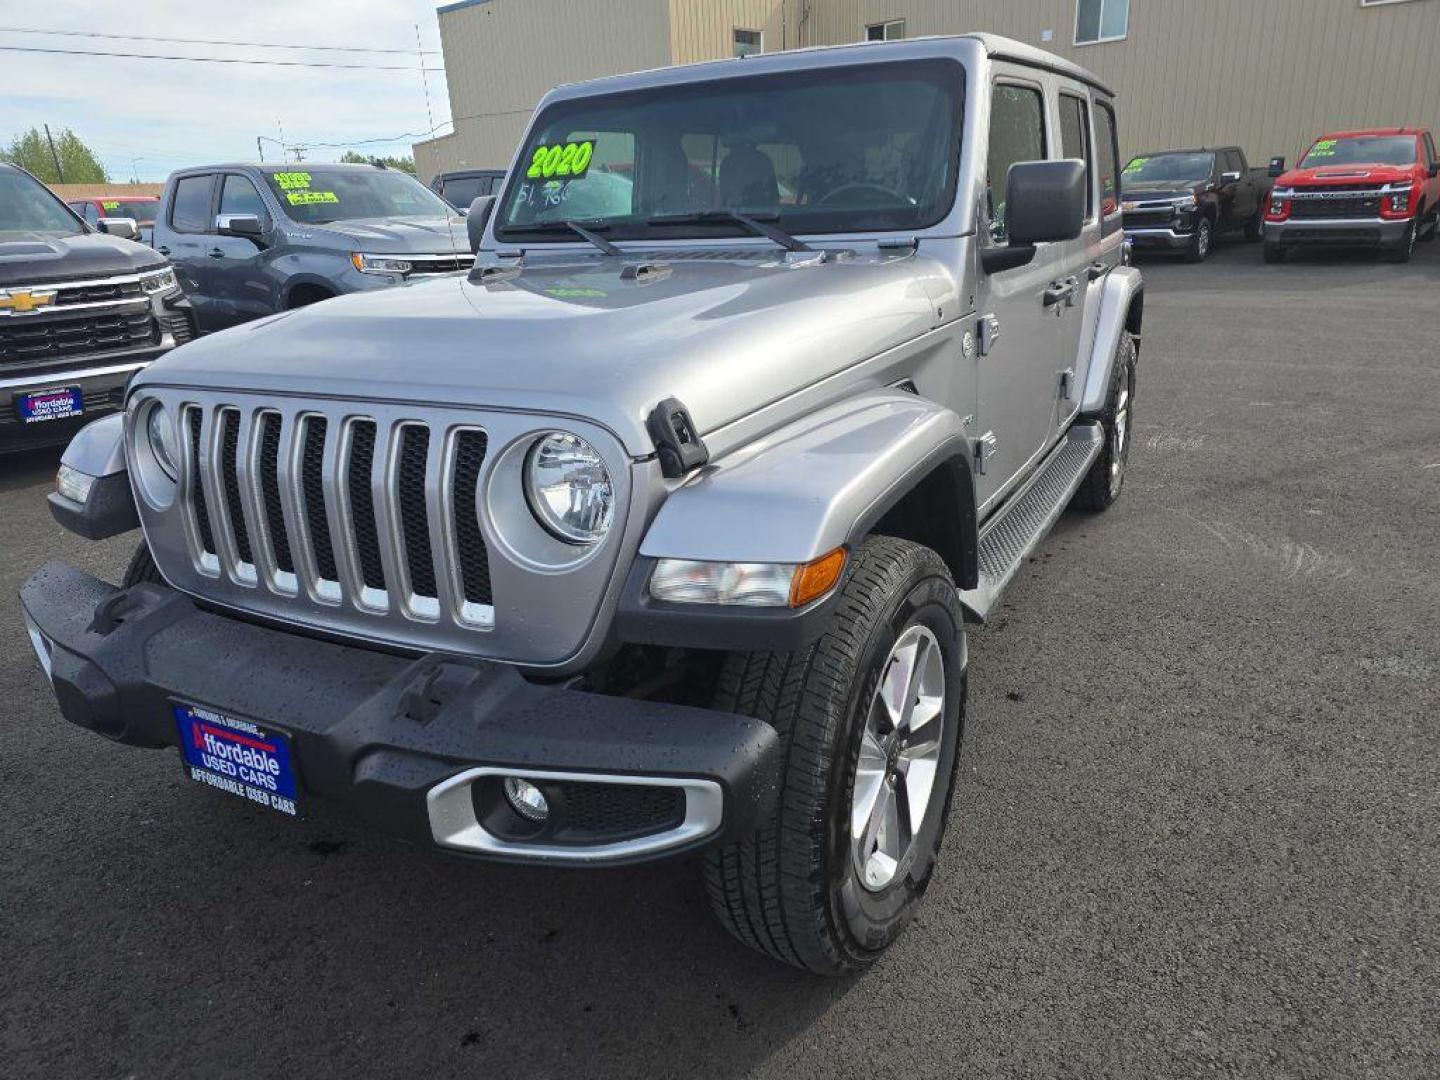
<point>240,289</point>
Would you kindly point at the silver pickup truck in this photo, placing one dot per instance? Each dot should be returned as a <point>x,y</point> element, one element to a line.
<point>658,530</point>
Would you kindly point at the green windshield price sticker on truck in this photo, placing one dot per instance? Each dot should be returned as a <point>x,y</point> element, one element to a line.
<point>305,198</point>
<point>111,205</point>
<point>561,159</point>
<point>290,181</point>
<point>1324,148</point>
<point>1136,165</point>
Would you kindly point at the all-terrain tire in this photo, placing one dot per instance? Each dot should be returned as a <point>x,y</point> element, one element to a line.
<point>1102,484</point>
<point>1255,227</point>
<point>792,888</point>
<point>142,567</point>
<point>1402,251</point>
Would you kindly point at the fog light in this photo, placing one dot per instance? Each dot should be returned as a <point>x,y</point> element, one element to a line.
<point>526,799</point>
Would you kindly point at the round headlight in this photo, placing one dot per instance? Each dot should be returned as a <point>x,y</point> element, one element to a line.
<point>161,433</point>
<point>569,488</point>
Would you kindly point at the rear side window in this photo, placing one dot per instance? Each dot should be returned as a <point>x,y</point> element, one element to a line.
<point>1075,142</point>
<point>463,190</point>
<point>239,196</point>
<point>191,209</point>
<point>1017,133</point>
<point>1107,154</point>
<point>91,215</point>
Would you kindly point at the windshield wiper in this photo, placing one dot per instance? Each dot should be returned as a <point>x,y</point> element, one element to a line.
<point>576,228</point>
<point>756,225</point>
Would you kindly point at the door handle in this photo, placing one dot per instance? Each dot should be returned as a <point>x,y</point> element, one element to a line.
<point>1062,290</point>
<point>163,250</point>
<point>215,253</point>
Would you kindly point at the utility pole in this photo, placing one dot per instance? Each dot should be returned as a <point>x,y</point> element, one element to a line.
<point>54,156</point>
<point>260,149</point>
<point>135,170</point>
<point>425,82</point>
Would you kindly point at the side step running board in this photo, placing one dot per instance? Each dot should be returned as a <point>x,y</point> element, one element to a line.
<point>1016,529</point>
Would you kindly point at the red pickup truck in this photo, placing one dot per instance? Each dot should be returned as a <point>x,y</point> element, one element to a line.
<point>1378,189</point>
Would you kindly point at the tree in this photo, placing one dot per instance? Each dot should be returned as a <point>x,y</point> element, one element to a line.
<point>404,164</point>
<point>78,162</point>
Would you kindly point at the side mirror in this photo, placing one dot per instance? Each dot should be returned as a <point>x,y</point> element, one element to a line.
<point>477,218</point>
<point>246,226</point>
<point>1434,169</point>
<point>124,227</point>
<point>1045,201</point>
<point>1230,177</point>
<point>1277,166</point>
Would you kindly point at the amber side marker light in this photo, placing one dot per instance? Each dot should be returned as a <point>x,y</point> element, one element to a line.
<point>817,577</point>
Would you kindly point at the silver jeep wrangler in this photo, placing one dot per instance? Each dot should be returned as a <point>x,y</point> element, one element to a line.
<point>657,531</point>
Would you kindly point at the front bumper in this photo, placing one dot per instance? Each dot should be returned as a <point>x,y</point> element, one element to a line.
<point>1357,232</point>
<point>1170,239</point>
<point>102,391</point>
<point>408,744</point>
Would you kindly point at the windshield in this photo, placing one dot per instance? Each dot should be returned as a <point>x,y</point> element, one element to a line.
<point>142,210</point>
<point>1362,150</point>
<point>846,149</point>
<point>318,196</point>
<point>26,206</point>
<point>1168,169</point>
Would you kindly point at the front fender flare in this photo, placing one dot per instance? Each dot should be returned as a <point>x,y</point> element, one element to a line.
<point>819,483</point>
<point>98,451</point>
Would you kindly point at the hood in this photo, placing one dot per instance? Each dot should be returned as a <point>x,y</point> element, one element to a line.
<point>725,332</point>
<point>27,258</point>
<point>1325,175</point>
<point>397,236</point>
<point>1161,189</point>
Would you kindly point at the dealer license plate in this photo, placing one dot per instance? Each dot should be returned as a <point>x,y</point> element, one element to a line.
<point>238,757</point>
<point>45,405</point>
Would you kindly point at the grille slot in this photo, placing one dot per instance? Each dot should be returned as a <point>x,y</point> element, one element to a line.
<point>197,488</point>
<point>312,480</point>
<point>1335,209</point>
<point>362,504</point>
<point>270,489</point>
<point>35,338</point>
<point>414,514</point>
<point>473,555</point>
<point>230,473</point>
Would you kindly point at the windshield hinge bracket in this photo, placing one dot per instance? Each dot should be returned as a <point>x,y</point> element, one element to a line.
<point>677,444</point>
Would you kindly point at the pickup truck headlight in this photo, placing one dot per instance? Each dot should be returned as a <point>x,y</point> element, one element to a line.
<point>569,489</point>
<point>1186,202</point>
<point>162,281</point>
<point>380,264</point>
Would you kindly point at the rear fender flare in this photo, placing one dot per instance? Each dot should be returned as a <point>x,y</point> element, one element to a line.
<point>1122,307</point>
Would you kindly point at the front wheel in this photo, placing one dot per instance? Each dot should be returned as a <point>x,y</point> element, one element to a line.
<point>1402,251</point>
<point>1200,241</point>
<point>870,719</point>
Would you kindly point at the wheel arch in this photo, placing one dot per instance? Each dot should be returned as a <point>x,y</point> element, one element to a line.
<point>306,285</point>
<point>1122,310</point>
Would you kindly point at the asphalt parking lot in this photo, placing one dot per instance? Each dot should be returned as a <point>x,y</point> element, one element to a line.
<point>1196,833</point>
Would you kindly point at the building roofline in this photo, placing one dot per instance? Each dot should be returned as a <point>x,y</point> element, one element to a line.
<point>456,5</point>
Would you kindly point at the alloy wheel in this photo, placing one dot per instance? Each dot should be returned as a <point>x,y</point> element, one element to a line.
<point>899,760</point>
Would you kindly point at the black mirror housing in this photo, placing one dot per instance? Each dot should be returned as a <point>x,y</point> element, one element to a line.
<point>1434,169</point>
<point>246,226</point>
<point>1045,201</point>
<point>478,217</point>
<point>1277,166</point>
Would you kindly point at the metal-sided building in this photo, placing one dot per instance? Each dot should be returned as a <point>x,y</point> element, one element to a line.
<point>1267,74</point>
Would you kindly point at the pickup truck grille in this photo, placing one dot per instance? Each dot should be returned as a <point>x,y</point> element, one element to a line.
<point>1332,209</point>
<point>34,339</point>
<point>346,509</point>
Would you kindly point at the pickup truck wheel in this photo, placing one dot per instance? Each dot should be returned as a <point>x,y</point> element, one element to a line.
<point>1274,253</point>
<point>142,568</point>
<point>870,718</point>
<point>1200,241</point>
<point>1106,477</point>
<point>1401,252</point>
<point>1433,231</point>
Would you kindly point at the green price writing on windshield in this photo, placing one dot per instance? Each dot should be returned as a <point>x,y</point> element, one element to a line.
<point>292,180</point>
<point>1324,148</point>
<point>305,198</point>
<point>1136,165</point>
<point>561,159</point>
<point>111,205</point>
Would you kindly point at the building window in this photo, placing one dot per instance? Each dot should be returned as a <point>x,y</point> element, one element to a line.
<point>893,30</point>
<point>1101,20</point>
<point>748,42</point>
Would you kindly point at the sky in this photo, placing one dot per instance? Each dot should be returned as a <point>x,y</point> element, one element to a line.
<point>148,117</point>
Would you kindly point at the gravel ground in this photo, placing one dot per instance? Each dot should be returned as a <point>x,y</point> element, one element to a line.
<point>1195,832</point>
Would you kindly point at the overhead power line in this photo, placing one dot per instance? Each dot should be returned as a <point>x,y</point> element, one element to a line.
<point>217,59</point>
<point>211,41</point>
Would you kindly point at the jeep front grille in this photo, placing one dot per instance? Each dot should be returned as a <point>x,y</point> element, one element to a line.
<point>347,510</point>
